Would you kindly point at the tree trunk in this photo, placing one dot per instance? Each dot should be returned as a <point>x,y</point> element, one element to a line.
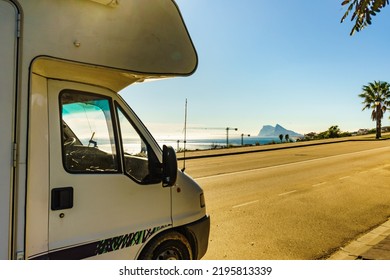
<point>378,121</point>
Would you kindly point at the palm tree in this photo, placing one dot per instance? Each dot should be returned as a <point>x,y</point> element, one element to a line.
<point>377,97</point>
<point>287,137</point>
<point>281,138</point>
<point>363,10</point>
<point>334,131</point>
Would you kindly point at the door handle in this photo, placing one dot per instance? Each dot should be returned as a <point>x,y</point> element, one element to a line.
<point>62,198</point>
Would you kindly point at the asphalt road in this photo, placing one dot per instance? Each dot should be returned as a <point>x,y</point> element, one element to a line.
<point>300,203</point>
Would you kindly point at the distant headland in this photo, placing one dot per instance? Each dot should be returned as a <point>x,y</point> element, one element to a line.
<point>275,131</point>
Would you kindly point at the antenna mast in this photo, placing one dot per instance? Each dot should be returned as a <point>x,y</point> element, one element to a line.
<point>185,137</point>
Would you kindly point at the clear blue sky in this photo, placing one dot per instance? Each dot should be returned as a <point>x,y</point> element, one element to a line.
<point>268,62</point>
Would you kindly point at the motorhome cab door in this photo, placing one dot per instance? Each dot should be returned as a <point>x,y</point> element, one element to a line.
<point>106,196</point>
<point>8,19</point>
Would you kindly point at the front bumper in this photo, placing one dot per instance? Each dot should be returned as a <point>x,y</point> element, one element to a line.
<point>200,231</point>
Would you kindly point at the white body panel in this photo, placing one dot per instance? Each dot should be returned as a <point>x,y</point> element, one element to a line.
<point>83,47</point>
<point>38,161</point>
<point>105,205</point>
<point>8,23</point>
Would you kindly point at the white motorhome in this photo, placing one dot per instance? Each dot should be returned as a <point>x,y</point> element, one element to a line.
<point>80,175</point>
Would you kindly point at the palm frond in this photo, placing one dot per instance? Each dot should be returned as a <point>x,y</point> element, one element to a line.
<point>363,11</point>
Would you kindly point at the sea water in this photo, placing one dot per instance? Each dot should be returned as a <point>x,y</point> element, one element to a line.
<point>217,143</point>
<point>134,146</point>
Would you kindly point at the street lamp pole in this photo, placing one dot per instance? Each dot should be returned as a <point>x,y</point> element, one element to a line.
<point>227,135</point>
<point>242,138</point>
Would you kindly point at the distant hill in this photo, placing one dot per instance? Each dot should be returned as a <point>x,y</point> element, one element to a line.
<point>270,131</point>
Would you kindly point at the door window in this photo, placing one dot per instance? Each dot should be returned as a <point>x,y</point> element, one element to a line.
<point>140,162</point>
<point>88,140</point>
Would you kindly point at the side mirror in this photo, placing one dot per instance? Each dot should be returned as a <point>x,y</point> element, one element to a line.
<point>169,166</point>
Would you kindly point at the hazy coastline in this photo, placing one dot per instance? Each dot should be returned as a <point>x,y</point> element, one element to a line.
<point>217,143</point>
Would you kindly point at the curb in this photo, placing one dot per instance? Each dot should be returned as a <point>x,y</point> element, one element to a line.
<point>367,247</point>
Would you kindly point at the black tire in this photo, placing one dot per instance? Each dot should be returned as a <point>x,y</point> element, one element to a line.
<point>168,246</point>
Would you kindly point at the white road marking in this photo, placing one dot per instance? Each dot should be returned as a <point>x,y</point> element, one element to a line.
<point>245,204</point>
<point>346,177</point>
<point>286,193</point>
<point>287,164</point>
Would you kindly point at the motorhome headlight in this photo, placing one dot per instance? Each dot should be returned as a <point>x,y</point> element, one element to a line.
<point>202,201</point>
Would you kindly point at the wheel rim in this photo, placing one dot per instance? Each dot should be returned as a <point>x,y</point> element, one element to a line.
<point>169,254</point>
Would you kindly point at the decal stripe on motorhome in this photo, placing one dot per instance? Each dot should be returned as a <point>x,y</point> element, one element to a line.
<point>127,240</point>
<point>102,246</point>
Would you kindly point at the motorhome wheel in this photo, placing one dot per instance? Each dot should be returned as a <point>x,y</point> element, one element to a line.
<point>168,246</point>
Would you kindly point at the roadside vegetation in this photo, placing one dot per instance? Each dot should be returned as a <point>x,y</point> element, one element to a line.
<point>376,96</point>
<point>333,132</point>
